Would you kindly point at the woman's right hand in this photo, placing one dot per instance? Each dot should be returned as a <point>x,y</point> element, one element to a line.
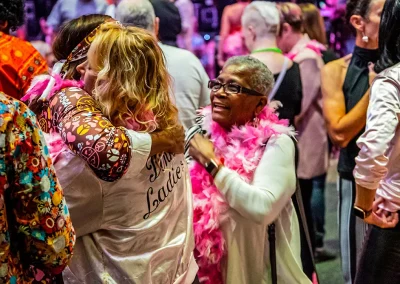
<point>171,140</point>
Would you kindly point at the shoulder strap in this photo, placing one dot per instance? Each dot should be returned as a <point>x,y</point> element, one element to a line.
<point>279,80</point>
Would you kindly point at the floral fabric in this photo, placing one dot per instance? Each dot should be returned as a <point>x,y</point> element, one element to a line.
<point>88,133</point>
<point>36,234</point>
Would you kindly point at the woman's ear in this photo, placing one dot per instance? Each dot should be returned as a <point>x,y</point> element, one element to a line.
<point>358,23</point>
<point>260,106</point>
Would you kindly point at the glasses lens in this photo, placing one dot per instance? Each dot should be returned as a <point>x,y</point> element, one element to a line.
<point>214,86</point>
<point>232,89</point>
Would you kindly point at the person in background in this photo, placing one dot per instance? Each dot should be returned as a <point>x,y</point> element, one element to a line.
<point>37,237</point>
<point>377,164</point>
<point>230,39</point>
<point>345,86</point>
<point>170,19</point>
<point>186,10</point>
<point>189,77</point>
<point>19,60</point>
<point>45,51</point>
<point>66,10</point>
<point>312,138</point>
<point>314,27</point>
<point>260,26</point>
<point>236,200</point>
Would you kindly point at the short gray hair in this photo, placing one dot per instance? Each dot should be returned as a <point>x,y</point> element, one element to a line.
<point>263,16</point>
<point>260,77</point>
<point>138,13</point>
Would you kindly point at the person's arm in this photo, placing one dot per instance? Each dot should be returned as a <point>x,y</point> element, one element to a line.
<point>372,160</point>
<point>342,127</point>
<point>273,184</point>
<point>37,203</point>
<point>224,33</point>
<point>89,134</point>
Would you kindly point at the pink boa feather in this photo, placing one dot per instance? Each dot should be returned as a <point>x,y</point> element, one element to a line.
<point>241,149</point>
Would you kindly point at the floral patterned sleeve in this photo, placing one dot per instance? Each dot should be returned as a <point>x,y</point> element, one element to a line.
<point>88,133</point>
<point>36,234</point>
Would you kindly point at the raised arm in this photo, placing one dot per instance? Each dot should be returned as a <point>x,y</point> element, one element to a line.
<point>273,184</point>
<point>274,181</point>
<point>44,234</point>
<point>342,126</point>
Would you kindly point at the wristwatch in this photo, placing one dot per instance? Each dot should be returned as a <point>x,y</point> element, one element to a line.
<point>361,213</point>
<point>212,167</point>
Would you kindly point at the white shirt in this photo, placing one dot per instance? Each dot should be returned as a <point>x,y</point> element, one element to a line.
<point>190,82</point>
<point>378,162</point>
<point>253,207</point>
<point>137,230</point>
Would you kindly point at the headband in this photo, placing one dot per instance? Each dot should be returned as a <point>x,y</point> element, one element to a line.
<point>81,50</point>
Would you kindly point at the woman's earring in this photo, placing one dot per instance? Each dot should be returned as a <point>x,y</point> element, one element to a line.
<point>365,38</point>
<point>256,120</point>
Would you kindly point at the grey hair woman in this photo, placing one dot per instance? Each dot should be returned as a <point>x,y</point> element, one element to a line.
<point>243,177</point>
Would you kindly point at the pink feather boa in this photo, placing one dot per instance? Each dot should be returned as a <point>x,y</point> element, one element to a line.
<point>241,149</point>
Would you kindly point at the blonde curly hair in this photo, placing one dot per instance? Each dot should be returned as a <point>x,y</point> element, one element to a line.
<point>133,82</point>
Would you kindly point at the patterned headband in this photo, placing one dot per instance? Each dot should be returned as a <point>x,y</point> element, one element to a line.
<point>81,50</point>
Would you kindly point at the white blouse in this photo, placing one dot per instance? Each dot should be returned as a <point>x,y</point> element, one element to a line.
<point>253,206</point>
<point>378,162</point>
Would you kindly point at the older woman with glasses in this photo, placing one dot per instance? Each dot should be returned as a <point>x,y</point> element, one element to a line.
<point>243,177</point>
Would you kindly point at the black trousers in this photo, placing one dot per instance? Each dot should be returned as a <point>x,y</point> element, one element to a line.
<point>380,257</point>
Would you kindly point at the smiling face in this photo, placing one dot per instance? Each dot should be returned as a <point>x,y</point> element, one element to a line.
<point>234,109</point>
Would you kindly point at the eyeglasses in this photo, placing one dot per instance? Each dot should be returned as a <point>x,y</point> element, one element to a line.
<point>231,88</point>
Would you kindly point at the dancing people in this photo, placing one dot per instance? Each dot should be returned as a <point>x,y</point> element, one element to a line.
<point>99,228</point>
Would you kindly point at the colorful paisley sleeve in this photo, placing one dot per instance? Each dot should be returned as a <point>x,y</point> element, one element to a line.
<point>36,232</point>
<point>88,133</point>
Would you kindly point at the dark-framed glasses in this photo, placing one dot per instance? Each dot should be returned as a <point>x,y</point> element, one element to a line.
<point>231,88</point>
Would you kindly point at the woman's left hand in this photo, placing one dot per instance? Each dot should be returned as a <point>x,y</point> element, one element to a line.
<point>201,149</point>
<point>382,218</point>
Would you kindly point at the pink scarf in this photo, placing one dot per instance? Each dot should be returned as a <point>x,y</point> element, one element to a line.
<point>313,45</point>
<point>241,149</point>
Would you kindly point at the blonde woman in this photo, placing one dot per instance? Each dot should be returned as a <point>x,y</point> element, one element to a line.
<point>139,228</point>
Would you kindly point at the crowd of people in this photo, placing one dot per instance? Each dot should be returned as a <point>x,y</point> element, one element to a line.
<point>122,162</point>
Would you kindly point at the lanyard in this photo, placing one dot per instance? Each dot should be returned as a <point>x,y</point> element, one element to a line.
<point>270,49</point>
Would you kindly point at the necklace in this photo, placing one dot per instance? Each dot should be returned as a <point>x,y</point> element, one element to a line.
<point>270,49</point>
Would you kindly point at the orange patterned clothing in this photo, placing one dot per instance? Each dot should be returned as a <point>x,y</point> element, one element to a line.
<point>36,234</point>
<point>19,63</point>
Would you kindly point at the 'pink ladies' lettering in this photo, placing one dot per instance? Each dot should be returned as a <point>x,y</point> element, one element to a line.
<point>158,165</point>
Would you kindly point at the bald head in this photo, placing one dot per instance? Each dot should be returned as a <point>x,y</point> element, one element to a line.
<point>138,13</point>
